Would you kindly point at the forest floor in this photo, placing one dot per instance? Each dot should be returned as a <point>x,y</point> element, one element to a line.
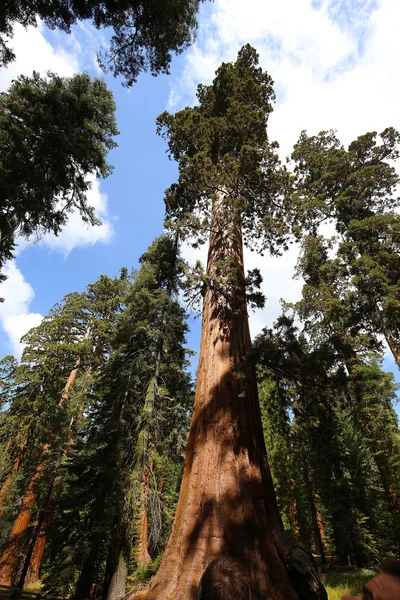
<point>346,582</point>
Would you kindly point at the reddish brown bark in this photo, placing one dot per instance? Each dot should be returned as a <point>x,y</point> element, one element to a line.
<point>142,550</point>
<point>143,556</point>
<point>10,559</point>
<point>293,508</point>
<point>319,534</point>
<point>32,575</point>
<point>14,469</point>
<point>226,503</point>
<point>10,562</point>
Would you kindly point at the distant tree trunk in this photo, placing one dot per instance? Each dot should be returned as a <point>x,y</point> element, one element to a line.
<point>293,508</point>
<point>315,514</point>
<point>117,569</point>
<point>85,581</point>
<point>143,557</point>
<point>43,524</point>
<point>227,503</point>
<point>10,562</point>
<point>10,559</point>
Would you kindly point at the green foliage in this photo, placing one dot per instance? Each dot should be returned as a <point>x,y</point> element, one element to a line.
<point>222,144</point>
<point>349,582</point>
<point>332,441</point>
<point>356,188</point>
<point>136,421</point>
<point>145,34</point>
<point>41,419</point>
<point>54,134</point>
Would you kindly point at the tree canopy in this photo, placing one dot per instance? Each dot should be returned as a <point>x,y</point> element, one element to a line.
<point>55,134</point>
<point>145,33</point>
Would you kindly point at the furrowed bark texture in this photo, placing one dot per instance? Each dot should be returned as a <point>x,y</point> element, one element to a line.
<point>227,503</point>
<point>32,575</point>
<point>142,552</point>
<point>117,573</point>
<point>10,559</point>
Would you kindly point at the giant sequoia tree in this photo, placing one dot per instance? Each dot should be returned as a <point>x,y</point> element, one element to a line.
<point>357,189</point>
<point>229,179</point>
<point>54,134</point>
<point>146,33</point>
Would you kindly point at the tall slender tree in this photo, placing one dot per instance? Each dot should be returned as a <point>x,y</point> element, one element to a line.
<point>229,179</point>
<point>51,348</point>
<point>117,478</point>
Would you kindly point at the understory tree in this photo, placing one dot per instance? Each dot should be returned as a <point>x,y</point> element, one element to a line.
<point>122,475</point>
<point>229,179</point>
<point>44,412</point>
<point>340,443</point>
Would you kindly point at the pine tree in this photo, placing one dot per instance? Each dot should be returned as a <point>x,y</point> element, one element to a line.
<point>337,477</point>
<point>229,178</point>
<point>118,479</point>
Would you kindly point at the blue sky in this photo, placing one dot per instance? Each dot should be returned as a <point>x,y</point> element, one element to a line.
<point>335,65</point>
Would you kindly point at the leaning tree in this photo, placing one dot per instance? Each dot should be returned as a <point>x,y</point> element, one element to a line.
<point>229,179</point>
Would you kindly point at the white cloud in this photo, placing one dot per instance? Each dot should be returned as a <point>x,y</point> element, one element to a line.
<point>15,317</point>
<point>76,233</point>
<point>34,53</point>
<point>334,66</point>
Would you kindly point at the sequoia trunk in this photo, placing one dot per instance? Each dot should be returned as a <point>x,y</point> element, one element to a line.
<point>142,551</point>
<point>10,559</point>
<point>226,503</point>
<point>315,514</point>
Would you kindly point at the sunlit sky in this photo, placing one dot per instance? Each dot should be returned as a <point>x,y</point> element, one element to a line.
<point>335,64</point>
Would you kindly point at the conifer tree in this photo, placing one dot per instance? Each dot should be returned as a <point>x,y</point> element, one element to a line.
<point>145,34</point>
<point>356,188</point>
<point>336,428</point>
<point>229,179</point>
<point>54,133</point>
<point>117,478</point>
<point>50,413</point>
